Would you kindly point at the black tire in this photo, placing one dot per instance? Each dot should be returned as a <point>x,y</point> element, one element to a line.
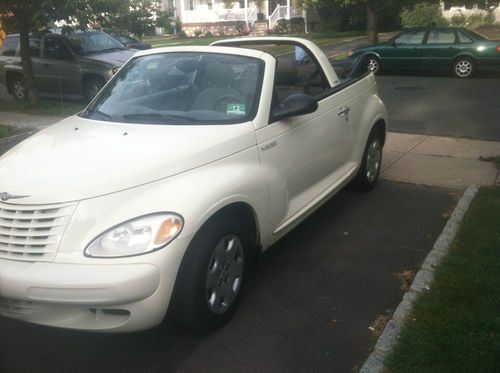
<point>464,67</point>
<point>368,172</point>
<point>17,87</point>
<point>195,304</point>
<point>373,64</point>
<point>92,86</point>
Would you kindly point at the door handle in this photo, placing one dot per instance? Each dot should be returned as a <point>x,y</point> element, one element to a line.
<point>344,111</point>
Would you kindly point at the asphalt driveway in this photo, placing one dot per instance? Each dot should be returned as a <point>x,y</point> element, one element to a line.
<point>309,305</point>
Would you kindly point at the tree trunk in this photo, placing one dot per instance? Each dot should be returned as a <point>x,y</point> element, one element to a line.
<point>29,78</point>
<point>371,22</point>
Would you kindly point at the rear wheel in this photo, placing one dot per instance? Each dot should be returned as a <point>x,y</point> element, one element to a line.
<point>369,170</point>
<point>212,275</point>
<point>373,64</point>
<point>18,87</point>
<point>464,67</point>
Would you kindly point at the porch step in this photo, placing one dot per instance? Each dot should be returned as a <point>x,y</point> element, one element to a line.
<point>259,28</point>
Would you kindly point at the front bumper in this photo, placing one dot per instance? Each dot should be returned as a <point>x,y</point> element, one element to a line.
<point>105,297</point>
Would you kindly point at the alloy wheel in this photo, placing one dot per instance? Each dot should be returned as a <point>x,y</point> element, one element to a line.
<point>463,68</point>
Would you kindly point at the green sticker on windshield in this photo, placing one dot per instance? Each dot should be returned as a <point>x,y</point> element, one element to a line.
<point>236,109</point>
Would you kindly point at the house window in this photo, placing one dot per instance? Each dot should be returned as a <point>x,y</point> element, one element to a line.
<point>242,4</point>
<point>190,5</point>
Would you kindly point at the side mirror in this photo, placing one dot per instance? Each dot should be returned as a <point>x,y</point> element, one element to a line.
<point>296,104</point>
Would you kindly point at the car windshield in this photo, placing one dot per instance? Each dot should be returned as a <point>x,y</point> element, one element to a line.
<point>181,88</point>
<point>93,42</point>
<point>126,39</point>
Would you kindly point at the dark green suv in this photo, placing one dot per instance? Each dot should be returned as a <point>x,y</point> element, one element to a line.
<point>74,65</point>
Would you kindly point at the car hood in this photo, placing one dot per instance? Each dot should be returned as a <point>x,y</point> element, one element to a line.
<point>79,158</point>
<point>117,58</point>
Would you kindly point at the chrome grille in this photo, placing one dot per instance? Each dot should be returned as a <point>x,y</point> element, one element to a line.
<point>32,232</point>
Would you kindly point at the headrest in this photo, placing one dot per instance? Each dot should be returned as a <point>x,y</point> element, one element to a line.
<point>219,74</point>
<point>187,65</point>
<point>286,72</point>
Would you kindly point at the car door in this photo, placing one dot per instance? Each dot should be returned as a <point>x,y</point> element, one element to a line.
<point>405,51</point>
<point>60,74</point>
<point>303,156</point>
<point>440,48</point>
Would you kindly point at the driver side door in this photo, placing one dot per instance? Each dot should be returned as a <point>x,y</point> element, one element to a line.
<point>303,156</point>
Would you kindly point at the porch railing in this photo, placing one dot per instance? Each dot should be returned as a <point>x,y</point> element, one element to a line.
<point>216,15</point>
<point>279,13</point>
<point>252,16</point>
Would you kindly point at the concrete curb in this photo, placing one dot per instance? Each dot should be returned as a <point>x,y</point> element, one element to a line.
<point>421,283</point>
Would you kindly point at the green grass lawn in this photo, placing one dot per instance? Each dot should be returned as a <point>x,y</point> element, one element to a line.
<point>6,131</point>
<point>455,326</point>
<point>46,106</point>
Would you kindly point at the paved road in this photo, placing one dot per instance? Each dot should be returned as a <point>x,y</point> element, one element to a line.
<point>308,307</point>
<point>443,106</point>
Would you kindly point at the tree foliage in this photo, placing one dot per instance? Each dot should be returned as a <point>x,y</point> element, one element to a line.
<point>423,15</point>
<point>133,16</point>
<point>26,16</point>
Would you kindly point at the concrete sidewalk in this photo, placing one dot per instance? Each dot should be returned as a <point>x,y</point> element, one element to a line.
<point>418,159</point>
<point>439,161</point>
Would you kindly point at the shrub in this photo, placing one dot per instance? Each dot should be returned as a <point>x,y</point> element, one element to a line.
<point>297,25</point>
<point>208,34</point>
<point>423,15</point>
<point>221,31</point>
<point>181,34</point>
<point>240,26</point>
<point>282,26</point>
<point>473,20</point>
<point>197,32</point>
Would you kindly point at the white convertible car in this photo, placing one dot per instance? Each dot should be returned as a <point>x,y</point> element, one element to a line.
<point>189,163</point>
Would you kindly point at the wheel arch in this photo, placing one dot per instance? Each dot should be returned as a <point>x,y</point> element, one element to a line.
<point>245,214</point>
<point>8,76</point>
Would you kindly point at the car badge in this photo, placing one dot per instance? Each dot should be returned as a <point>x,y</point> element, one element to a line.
<point>6,196</point>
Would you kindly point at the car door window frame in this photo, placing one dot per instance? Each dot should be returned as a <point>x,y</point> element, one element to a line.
<point>455,39</point>
<point>60,40</point>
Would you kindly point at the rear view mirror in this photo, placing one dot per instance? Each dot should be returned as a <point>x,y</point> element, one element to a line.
<point>296,104</point>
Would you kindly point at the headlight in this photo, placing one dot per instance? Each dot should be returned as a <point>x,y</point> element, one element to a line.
<point>137,236</point>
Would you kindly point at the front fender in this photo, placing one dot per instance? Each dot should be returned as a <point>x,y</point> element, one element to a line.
<point>196,195</point>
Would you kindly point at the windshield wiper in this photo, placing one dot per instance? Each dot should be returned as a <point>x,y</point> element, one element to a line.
<point>157,116</point>
<point>98,112</point>
<point>112,49</point>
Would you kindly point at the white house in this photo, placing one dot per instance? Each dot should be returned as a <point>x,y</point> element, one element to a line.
<point>211,15</point>
<point>450,11</point>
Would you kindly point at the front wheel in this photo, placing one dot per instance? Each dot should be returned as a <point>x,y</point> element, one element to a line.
<point>18,87</point>
<point>369,170</point>
<point>212,275</point>
<point>464,68</point>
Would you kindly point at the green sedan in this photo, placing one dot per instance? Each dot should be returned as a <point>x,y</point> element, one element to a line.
<point>461,51</point>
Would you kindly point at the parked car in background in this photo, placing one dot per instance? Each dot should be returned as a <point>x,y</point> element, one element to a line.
<point>130,42</point>
<point>462,52</point>
<point>188,164</point>
<point>78,64</point>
